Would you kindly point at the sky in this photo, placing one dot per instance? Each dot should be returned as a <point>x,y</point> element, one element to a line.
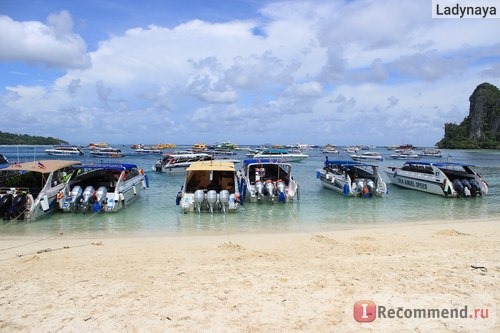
<point>344,72</point>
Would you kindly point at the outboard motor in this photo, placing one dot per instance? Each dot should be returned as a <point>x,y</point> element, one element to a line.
<point>260,189</point>
<point>224,200</point>
<point>459,188</point>
<point>18,205</point>
<point>5,203</point>
<point>280,186</point>
<point>475,188</point>
<point>358,189</point>
<point>269,188</point>
<point>370,184</point>
<point>75,194</point>
<point>467,187</point>
<point>100,195</point>
<point>158,166</point>
<point>211,199</point>
<point>87,197</point>
<point>199,197</point>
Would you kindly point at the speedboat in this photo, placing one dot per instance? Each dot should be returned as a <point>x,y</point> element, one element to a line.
<point>329,149</point>
<point>352,178</point>
<point>367,156</point>
<point>449,179</point>
<point>267,180</point>
<point>199,147</point>
<point>106,152</point>
<point>280,154</point>
<point>64,151</point>
<point>178,162</point>
<point>29,191</point>
<point>404,154</point>
<point>102,188</point>
<point>431,152</point>
<point>209,186</point>
<point>148,150</point>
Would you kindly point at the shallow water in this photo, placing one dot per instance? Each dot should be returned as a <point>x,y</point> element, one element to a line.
<point>318,208</point>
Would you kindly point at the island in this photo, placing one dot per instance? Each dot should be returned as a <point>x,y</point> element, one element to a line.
<point>24,139</point>
<point>481,128</point>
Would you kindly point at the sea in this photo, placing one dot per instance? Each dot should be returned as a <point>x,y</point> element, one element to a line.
<point>317,209</point>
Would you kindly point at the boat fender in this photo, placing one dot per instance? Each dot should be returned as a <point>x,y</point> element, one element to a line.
<point>281,197</point>
<point>44,203</point>
<point>327,176</point>
<point>60,195</point>
<point>96,207</point>
<point>146,179</point>
<point>346,189</point>
<point>134,189</point>
<point>317,174</point>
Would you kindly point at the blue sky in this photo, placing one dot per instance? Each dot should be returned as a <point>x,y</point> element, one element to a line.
<point>341,72</point>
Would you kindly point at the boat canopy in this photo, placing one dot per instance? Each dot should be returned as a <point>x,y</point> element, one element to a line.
<point>43,166</point>
<point>219,165</point>
<point>440,164</point>
<point>117,167</point>
<point>347,163</point>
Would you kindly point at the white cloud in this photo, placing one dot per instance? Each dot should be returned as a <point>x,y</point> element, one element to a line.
<point>373,69</point>
<point>52,44</point>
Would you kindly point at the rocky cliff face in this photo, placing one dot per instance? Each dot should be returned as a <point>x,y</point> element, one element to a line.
<point>481,128</point>
<point>482,112</point>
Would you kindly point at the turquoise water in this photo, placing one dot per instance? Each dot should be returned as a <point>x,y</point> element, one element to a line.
<point>317,209</point>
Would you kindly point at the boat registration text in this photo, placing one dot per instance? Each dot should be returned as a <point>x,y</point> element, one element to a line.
<point>412,183</point>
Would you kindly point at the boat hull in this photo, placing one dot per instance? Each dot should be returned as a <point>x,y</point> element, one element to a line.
<point>428,184</point>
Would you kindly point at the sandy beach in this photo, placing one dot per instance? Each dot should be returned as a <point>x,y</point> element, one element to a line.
<point>274,282</point>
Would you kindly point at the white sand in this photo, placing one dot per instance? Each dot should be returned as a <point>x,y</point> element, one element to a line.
<point>251,282</point>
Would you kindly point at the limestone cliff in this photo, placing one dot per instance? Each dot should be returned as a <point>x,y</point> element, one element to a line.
<point>481,128</point>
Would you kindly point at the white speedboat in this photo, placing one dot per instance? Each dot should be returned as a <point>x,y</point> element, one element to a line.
<point>148,150</point>
<point>178,162</point>
<point>404,154</point>
<point>431,152</point>
<point>29,191</point>
<point>64,151</point>
<point>352,178</point>
<point>106,152</point>
<point>329,149</point>
<point>267,180</point>
<point>367,156</point>
<point>280,154</point>
<point>102,188</point>
<point>447,179</point>
<point>209,186</point>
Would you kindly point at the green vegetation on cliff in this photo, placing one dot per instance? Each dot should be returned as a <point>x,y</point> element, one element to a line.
<point>481,128</point>
<point>24,139</point>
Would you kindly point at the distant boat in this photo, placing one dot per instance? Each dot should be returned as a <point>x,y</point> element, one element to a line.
<point>106,152</point>
<point>179,162</point>
<point>431,152</point>
<point>280,154</point>
<point>64,150</point>
<point>367,156</point>
<point>404,154</point>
